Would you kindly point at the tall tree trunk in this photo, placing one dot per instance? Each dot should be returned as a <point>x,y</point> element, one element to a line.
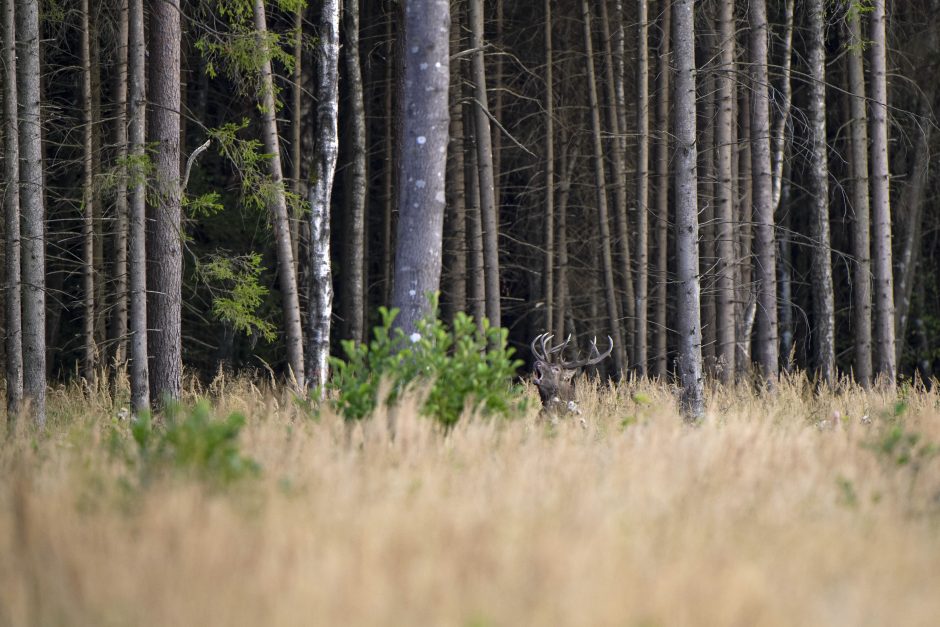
<point>662,193</point>
<point>11,208</point>
<point>784,282</point>
<point>286,269</point>
<point>119,269</point>
<point>642,186</point>
<point>321,276</point>
<point>861,289</point>
<point>746,303</point>
<point>477,287</point>
<point>297,131</point>
<point>137,213</point>
<point>780,124</point>
<point>456,218</point>
<point>488,209</point>
<point>424,122</point>
<point>884,331</point>
<point>388,180</point>
<point>688,314</point>
<point>766,339</point>
<point>613,312</point>
<point>567,161</point>
<point>89,348</point>
<point>724,197</point>
<point>32,208</point>
<point>548,274</point>
<point>707,100</point>
<point>824,323</point>
<point>355,282</point>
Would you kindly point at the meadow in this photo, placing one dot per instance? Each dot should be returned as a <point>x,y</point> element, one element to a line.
<point>797,508</point>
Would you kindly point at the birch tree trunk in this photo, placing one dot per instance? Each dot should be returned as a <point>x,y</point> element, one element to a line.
<point>642,186</point>
<point>355,289</point>
<point>861,234</point>
<point>688,314</point>
<point>321,276</point>
<point>766,341</point>
<point>119,270</point>
<point>662,193</point>
<point>139,368</point>
<point>724,197</point>
<point>424,123</point>
<point>89,348</point>
<point>488,209</point>
<point>613,312</point>
<point>11,209</point>
<point>32,211</point>
<point>884,331</point>
<point>823,306</point>
<point>286,269</point>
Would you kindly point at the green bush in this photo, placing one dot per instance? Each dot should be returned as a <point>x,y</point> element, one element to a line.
<point>193,443</point>
<point>464,366</point>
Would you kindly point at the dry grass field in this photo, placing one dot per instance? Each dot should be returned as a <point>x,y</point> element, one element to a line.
<point>796,509</point>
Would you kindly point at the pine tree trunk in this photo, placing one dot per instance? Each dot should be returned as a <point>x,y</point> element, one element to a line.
<point>388,179</point>
<point>766,341</point>
<point>32,211</point>
<point>610,296</point>
<point>488,209</point>
<point>861,248</point>
<point>118,332</point>
<point>746,299</point>
<point>164,237</point>
<point>286,269</point>
<point>823,306</point>
<point>884,332</point>
<point>642,187</point>
<point>89,352</point>
<point>477,286</point>
<point>567,161</point>
<point>455,247</point>
<point>424,123</point>
<point>11,208</point>
<point>298,186</point>
<point>662,194</point>
<point>321,278</point>
<point>355,261</point>
<point>139,368</point>
<point>785,99</point>
<point>548,274</point>
<point>724,197</point>
<point>707,101</point>
<point>688,314</point>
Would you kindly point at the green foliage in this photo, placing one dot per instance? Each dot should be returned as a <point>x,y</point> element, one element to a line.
<point>192,443</point>
<point>204,205</point>
<point>900,447</point>
<point>237,292</point>
<point>464,367</point>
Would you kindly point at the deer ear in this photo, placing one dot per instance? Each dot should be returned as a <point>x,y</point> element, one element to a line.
<point>568,374</point>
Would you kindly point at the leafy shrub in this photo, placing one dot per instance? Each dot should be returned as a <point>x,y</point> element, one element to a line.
<point>465,366</point>
<point>192,442</point>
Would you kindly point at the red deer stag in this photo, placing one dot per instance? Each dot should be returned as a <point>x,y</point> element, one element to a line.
<point>554,375</point>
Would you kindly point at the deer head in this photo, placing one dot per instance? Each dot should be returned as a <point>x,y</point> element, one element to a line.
<point>554,376</point>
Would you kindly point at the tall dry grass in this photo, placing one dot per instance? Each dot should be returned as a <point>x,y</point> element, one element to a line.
<point>776,511</point>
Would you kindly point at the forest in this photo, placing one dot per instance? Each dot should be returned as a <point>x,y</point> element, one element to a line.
<point>250,128</point>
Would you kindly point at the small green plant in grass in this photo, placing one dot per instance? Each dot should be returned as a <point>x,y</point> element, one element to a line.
<point>192,442</point>
<point>465,366</point>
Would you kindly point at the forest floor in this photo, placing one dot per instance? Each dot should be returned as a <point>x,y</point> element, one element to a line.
<point>795,509</point>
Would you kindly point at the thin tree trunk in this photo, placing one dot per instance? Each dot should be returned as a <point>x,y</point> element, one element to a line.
<point>548,275</point>
<point>662,193</point>
<point>286,269</point>
<point>424,123</point>
<point>861,289</point>
<point>355,263</point>
<point>119,269</point>
<point>766,260</point>
<point>746,305</point>
<point>824,322</point>
<point>456,246</point>
<point>388,180</point>
<point>706,198</point>
<point>688,314</point>
<point>642,187</point>
<point>89,348</point>
<point>137,214</point>
<point>296,127</point>
<point>724,197</point>
<point>780,125</point>
<point>784,282</point>
<point>884,332</point>
<point>11,207</point>
<point>567,161</point>
<point>488,209</point>
<point>321,279</point>
<point>477,287</point>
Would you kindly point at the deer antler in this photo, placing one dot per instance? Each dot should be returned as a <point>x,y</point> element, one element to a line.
<point>547,350</point>
<point>594,357</point>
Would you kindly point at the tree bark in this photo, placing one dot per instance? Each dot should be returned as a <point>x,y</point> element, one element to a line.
<point>89,348</point>
<point>137,214</point>
<point>11,207</point>
<point>766,341</point>
<point>724,198</point>
<point>277,200</point>
<point>884,331</point>
<point>321,278</point>
<point>355,282</point>
<point>861,289</point>
<point>32,211</point>
<point>488,209</point>
<point>824,322</point>
<point>548,274</point>
<point>688,314</point>
<point>118,332</point>
<point>477,286</point>
<point>662,194</point>
<point>746,301</point>
<point>642,186</point>
<point>456,218</point>
<point>613,312</point>
<point>424,122</point>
